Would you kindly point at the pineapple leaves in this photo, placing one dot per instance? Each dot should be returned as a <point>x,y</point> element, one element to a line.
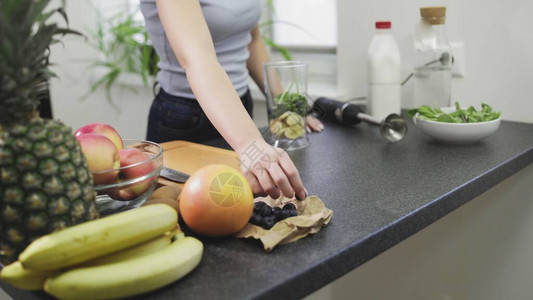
<point>65,31</point>
<point>44,17</point>
<point>26,33</point>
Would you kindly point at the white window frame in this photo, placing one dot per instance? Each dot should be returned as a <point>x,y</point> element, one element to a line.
<point>322,63</point>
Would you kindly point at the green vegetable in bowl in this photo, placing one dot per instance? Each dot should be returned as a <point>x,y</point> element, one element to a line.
<point>469,115</point>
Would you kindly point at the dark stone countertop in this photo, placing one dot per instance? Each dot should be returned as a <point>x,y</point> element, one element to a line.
<point>380,194</point>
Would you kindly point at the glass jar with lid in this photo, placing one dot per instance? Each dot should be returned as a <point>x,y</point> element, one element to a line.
<point>432,59</point>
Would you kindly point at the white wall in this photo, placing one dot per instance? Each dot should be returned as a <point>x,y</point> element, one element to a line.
<point>72,59</point>
<point>499,48</point>
<point>499,60</point>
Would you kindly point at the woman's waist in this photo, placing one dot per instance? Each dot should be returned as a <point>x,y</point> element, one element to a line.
<point>177,84</point>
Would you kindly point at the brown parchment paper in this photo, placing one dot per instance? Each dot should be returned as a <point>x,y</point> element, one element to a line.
<point>312,216</point>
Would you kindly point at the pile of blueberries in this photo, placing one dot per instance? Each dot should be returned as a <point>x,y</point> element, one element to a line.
<point>266,216</point>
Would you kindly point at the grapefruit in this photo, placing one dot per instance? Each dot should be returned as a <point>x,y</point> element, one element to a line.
<point>216,201</point>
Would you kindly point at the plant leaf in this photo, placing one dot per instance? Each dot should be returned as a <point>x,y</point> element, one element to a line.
<point>284,51</point>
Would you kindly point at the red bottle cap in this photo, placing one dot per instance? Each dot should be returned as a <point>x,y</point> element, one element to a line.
<point>383,25</point>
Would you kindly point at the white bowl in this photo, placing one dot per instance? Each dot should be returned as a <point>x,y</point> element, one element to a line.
<point>456,133</point>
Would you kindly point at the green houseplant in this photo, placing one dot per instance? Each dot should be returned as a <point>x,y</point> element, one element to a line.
<point>267,25</point>
<point>123,45</point>
<point>45,184</point>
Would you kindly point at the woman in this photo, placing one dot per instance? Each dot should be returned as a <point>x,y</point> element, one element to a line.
<point>206,49</point>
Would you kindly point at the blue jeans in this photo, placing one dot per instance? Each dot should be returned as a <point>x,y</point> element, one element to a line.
<point>178,118</point>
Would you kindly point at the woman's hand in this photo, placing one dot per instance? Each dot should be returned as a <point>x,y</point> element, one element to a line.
<point>270,171</point>
<point>313,124</point>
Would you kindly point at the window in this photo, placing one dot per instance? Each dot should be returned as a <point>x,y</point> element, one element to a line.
<point>308,30</point>
<point>113,8</point>
<point>305,24</point>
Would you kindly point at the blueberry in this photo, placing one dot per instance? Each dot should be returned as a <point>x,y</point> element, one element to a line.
<point>262,223</point>
<point>289,206</point>
<point>284,214</point>
<point>275,217</point>
<point>256,219</point>
<point>294,212</point>
<point>258,205</point>
<point>276,213</point>
<point>268,222</point>
<point>265,211</point>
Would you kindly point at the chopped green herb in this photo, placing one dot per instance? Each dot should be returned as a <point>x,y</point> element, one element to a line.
<point>460,115</point>
<point>293,102</point>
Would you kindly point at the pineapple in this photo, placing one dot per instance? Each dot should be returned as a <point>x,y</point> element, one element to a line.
<point>45,184</point>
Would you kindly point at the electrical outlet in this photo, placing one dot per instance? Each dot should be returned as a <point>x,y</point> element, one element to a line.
<point>459,64</point>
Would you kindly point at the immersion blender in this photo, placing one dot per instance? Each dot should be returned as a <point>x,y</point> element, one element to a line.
<point>392,128</point>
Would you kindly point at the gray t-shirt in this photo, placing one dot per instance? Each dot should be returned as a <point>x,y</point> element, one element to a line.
<point>230,23</point>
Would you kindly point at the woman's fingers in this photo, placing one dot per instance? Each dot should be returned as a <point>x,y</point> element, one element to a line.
<point>271,171</point>
<point>257,189</point>
<point>266,182</point>
<point>314,123</point>
<point>292,174</point>
<point>280,179</point>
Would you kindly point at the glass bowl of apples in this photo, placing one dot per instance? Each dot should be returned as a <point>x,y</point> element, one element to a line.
<point>124,171</point>
<point>130,183</point>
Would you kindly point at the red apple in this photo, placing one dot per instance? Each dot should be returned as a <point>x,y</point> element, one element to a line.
<point>101,154</point>
<point>102,129</point>
<point>139,165</point>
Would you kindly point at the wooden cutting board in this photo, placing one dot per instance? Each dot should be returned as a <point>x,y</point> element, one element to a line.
<point>188,157</point>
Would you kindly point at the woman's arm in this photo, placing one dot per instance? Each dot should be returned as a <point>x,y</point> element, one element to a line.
<point>189,36</point>
<point>190,39</point>
<point>258,56</point>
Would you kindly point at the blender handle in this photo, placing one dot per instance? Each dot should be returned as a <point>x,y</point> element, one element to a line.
<point>342,112</point>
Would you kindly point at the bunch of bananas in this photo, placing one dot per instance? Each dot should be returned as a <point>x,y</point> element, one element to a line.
<point>289,125</point>
<point>122,255</point>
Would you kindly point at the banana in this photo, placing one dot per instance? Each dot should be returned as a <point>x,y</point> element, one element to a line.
<point>276,127</point>
<point>289,124</point>
<point>294,119</point>
<point>130,277</point>
<point>284,115</point>
<point>17,276</point>
<point>178,235</point>
<point>21,278</point>
<point>144,248</point>
<point>97,238</point>
<point>294,131</point>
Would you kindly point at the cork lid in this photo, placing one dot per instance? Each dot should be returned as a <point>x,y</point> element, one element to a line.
<point>434,14</point>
